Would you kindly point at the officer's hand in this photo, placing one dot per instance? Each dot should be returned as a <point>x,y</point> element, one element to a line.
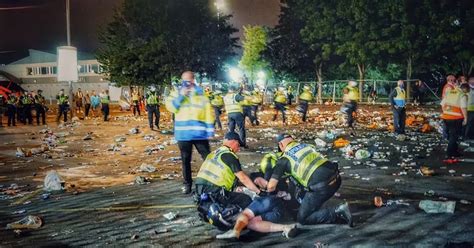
<point>464,122</point>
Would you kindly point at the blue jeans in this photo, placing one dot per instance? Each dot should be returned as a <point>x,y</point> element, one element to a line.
<point>237,119</point>
<point>351,108</point>
<point>399,116</point>
<point>270,208</point>
<point>217,112</point>
<point>279,107</point>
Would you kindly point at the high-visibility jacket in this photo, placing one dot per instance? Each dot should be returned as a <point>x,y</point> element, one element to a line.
<point>26,100</point>
<point>304,160</point>
<point>280,97</point>
<point>231,105</point>
<point>215,171</point>
<point>306,96</point>
<point>470,103</point>
<point>152,99</point>
<point>12,100</point>
<point>62,99</point>
<point>135,97</point>
<point>40,99</point>
<point>269,161</point>
<point>193,115</point>
<point>257,98</point>
<point>400,98</point>
<point>217,101</point>
<point>452,104</point>
<point>353,94</point>
<point>247,100</point>
<point>104,99</point>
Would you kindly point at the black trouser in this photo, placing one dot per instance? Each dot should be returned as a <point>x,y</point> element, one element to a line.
<point>304,109</point>
<point>279,107</point>
<point>27,114</point>
<point>310,211</point>
<point>237,119</point>
<point>186,149</point>
<point>87,106</point>
<point>153,109</point>
<point>63,109</point>
<point>11,111</point>
<point>136,107</point>
<point>399,117</point>
<point>20,114</point>
<point>217,114</point>
<point>2,110</point>
<point>470,125</point>
<point>255,114</point>
<point>248,113</point>
<point>105,111</point>
<point>40,112</point>
<point>454,128</point>
<point>351,108</point>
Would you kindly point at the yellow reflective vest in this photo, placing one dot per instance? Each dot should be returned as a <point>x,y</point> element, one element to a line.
<point>353,94</point>
<point>215,171</point>
<point>257,98</point>
<point>304,160</point>
<point>280,97</point>
<point>306,96</point>
<point>470,103</point>
<point>231,105</point>
<point>452,104</point>
<point>217,101</point>
<point>269,160</point>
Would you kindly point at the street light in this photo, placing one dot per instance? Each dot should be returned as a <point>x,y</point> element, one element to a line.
<point>235,74</point>
<point>261,74</point>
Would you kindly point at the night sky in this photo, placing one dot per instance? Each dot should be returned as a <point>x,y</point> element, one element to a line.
<point>41,24</point>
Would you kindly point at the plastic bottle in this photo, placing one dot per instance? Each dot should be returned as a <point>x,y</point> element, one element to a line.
<point>434,207</point>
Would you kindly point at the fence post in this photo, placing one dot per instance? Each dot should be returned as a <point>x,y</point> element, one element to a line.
<point>408,91</point>
<point>297,97</point>
<point>334,92</point>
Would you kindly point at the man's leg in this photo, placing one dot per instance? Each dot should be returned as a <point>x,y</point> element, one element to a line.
<point>403,117</point>
<point>470,125</point>
<point>283,114</point>
<point>149,111</point>
<point>241,124</point>
<point>231,122</point>
<point>310,212</point>
<point>396,121</point>
<point>186,150</point>
<point>203,147</point>
<point>156,112</point>
<point>454,130</point>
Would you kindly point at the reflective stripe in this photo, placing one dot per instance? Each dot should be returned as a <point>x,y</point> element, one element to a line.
<point>304,160</point>
<point>269,159</point>
<point>470,102</point>
<point>215,171</point>
<point>400,98</point>
<point>231,105</point>
<point>451,105</point>
<point>306,95</point>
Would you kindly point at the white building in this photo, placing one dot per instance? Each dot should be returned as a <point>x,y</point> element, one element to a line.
<point>39,71</point>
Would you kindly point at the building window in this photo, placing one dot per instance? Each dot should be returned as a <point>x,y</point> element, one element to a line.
<point>29,71</point>
<point>95,68</point>
<point>44,70</point>
<point>55,70</point>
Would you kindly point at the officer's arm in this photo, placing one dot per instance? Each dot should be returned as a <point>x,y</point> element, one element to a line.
<point>247,182</point>
<point>239,98</point>
<point>391,96</point>
<point>278,171</point>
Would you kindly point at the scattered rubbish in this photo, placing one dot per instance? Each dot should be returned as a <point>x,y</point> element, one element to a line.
<point>134,237</point>
<point>45,196</point>
<point>146,168</point>
<point>339,143</point>
<point>170,216</point>
<point>378,202</point>
<point>320,143</point>
<point>22,211</point>
<point>166,132</point>
<point>120,139</point>
<point>433,207</point>
<point>425,171</point>
<point>29,222</point>
<point>452,171</point>
<point>134,130</point>
<point>163,230</point>
<point>52,181</point>
<point>362,154</point>
<point>429,193</point>
<point>87,137</point>
<point>148,137</point>
<point>397,202</point>
<point>141,180</point>
<point>466,202</point>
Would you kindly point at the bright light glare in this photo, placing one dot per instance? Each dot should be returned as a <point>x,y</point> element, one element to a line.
<point>235,74</point>
<point>260,83</point>
<point>219,4</point>
<point>261,74</point>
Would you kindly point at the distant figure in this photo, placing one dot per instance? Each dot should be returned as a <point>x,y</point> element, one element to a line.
<point>41,108</point>
<point>87,104</point>
<point>470,111</point>
<point>280,101</point>
<point>217,102</point>
<point>372,98</point>
<point>63,105</point>
<point>78,98</point>
<point>3,107</point>
<point>28,101</point>
<point>105,100</point>
<point>398,102</point>
<point>135,102</point>
<point>153,108</point>
<point>350,99</point>
<point>305,98</point>
<point>11,108</point>
<point>95,103</point>
<point>235,113</point>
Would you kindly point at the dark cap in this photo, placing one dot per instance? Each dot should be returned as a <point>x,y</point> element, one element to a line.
<point>233,136</point>
<point>282,136</point>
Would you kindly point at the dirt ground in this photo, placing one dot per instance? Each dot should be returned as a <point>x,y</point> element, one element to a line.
<point>101,205</point>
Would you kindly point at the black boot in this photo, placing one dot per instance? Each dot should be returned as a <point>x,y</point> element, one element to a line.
<point>343,212</point>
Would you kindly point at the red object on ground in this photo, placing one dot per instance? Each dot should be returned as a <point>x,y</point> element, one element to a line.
<point>451,161</point>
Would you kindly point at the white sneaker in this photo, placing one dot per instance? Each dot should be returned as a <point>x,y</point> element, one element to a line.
<point>228,235</point>
<point>290,232</point>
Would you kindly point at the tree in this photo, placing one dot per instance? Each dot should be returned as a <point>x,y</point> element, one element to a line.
<point>150,41</point>
<point>254,43</point>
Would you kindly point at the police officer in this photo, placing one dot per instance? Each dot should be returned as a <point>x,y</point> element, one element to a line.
<point>280,100</point>
<point>398,102</point>
<point>454,106</point>
<point>28,101</point>
<point>247,107</point>
<point>63,105</point>
<point>40,106</point>
<point>350,98</point>
<point>153,108</point>
<point>305,97</point>
<point>256,100</point>
<point>11,108</point>
<point>317,177</point>
<point>220,172</point>
<point>135,101</point>
<point>20,113</point>
<point>235,116</point>
<point>217,103</point>
<point>104,101</point>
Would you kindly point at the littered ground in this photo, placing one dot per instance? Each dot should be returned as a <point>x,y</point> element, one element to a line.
<point>102,207</point>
